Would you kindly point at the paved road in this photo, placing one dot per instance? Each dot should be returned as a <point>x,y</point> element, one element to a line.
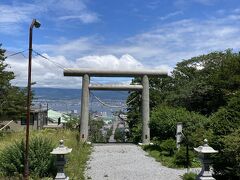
<point>126,162</point>
<point>115,124</point>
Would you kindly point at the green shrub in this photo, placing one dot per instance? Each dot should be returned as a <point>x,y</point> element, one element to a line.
<point>164,120</point>
<point>168,146</point>
<point>227,119</point>
<point>136,133</point>
<point>151,147</point>
<point>226,162</point>
<point>41,162</point>
<point>12,159</point>
<point>119,135</point>
<point>95,134</point>
<point>189,176</point>
<point>76,159</point>
<point>180,157</point>
<point>155,152</point>
<point>225,125</point>
<point>72,123</point>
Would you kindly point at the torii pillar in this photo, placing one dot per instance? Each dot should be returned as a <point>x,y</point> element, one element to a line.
<point>84,118</point>
<point>145,111</point>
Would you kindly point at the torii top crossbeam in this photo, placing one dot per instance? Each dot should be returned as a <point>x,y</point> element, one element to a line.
<point>113,73</point>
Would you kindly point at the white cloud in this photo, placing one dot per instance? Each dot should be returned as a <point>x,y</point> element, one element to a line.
<point>72,10</point>
<point>14,15</point>
<point>205,2</point>
<point>172,42</point>
<point>44,72</point>
<point>171,15</point>
<point>85,18</point>
<point>165,45</point>
<point>153,4</point>
<point>109,62</point>
<point>184,3</point>
<point>161,47</point>
<point>71,49</point>
<point>47,74</point>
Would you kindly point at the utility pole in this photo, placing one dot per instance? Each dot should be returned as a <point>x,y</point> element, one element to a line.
<point>36,24</point>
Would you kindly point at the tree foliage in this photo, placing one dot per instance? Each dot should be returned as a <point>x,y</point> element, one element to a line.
<point>227,119</point>
<point>119,135</point>
<point>201,84</point>
<point>225,125</point>
<point>95,131</point>
<point>204,83</point>
<point>203,93</point>
<point>164,120</point>
<point>12,98</point>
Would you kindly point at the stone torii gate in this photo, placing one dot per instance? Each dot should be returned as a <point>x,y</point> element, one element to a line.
<point>86,86</point>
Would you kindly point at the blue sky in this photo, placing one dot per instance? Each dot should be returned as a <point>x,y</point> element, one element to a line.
<point>111,34</point>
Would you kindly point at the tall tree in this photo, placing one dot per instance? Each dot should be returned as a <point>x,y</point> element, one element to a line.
<point>201,84</point>
<point>158,89</point>
<point>204,83</point>
<point>12,99</point>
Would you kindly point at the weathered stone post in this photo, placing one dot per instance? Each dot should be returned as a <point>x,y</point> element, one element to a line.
<point>145,110</point>
<point>84,108</point>
<point>204,155</point>
<point>60,152</point>
<point>179,135</point>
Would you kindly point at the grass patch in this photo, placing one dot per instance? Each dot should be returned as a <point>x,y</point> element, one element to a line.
<point>165,159</point>
<point>189,176</point>
<point>76,159</point>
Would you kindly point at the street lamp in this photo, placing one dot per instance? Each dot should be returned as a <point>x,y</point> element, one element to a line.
<point>35,24</point>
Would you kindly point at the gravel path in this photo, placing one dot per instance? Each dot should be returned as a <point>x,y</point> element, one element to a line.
<point>126,162</point>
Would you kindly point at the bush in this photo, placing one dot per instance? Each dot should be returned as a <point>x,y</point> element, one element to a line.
<point>168,146</point>
<point>225,125</point>
<point>12,159</point>
<point>227,119</point>
<point>180,158</point>
<point>95,133</point>
<point>151,147</point>
<point>136,133</point>
<point>189,176</point>
<point>164,121</point>
<point>41,162</point>
<point>226,162</point>
<point>72,123</point>
<point>119,135</point>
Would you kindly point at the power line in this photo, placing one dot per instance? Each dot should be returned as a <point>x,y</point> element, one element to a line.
<point>44,57</point>
<point>14,54</point>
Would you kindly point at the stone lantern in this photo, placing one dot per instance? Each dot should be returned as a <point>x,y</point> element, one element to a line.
<point>204,154</point>
<point>60,152</point>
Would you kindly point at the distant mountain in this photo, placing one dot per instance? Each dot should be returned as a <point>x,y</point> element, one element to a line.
<point>66,100</point>
<point>68,94</point>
